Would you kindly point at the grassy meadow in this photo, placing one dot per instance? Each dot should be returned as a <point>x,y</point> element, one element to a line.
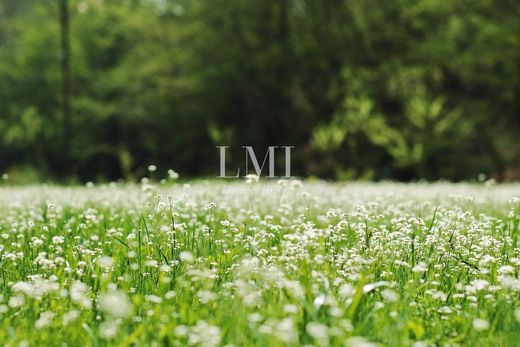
<point>284,263</point>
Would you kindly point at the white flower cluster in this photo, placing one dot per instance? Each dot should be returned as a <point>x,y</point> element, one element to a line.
<point>260,263</point>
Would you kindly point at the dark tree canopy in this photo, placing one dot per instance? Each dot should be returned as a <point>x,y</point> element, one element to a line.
<point>362,88</point>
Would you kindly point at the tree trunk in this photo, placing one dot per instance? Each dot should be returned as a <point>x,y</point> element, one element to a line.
<point>65,86</point>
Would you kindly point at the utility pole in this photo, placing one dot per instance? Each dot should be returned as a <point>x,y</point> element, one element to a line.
<point>65,85</point>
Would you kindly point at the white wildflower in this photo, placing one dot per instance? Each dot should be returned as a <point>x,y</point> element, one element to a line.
<point>371,286</point>
<point>420,268</point>
<point>172,174</point>
<point>105,262</point>
<point>45,320</point>
<point>16,301</point>
<point>186,257</point>
<point>70,317</point>
<point>115,303</point>
<point>108,329</point>
<point>252,178</point>
<point>358,341</point>
<point>153,299</point>
<point>480,324</point>
<point>319,332</point>
<point>78,294</point>
<point>389,295</point>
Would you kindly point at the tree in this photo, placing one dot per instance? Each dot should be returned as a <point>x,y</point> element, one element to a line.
<point>65,84</point>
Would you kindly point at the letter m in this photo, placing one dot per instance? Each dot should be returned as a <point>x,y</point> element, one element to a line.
<point>250,153</point>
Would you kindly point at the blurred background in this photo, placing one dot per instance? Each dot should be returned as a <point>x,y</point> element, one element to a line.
<point>364,89</point>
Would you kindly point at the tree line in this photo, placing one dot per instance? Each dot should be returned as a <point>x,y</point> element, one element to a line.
<point>363,89</point>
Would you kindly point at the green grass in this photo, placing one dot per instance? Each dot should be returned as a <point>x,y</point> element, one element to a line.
<point>261,264</point>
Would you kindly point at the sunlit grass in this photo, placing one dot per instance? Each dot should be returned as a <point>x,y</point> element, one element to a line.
<point>268,264</point>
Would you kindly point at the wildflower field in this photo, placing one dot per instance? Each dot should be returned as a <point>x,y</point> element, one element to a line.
<point>261,264</point>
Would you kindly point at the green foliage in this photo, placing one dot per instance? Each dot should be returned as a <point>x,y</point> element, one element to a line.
<point>386,89</point>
